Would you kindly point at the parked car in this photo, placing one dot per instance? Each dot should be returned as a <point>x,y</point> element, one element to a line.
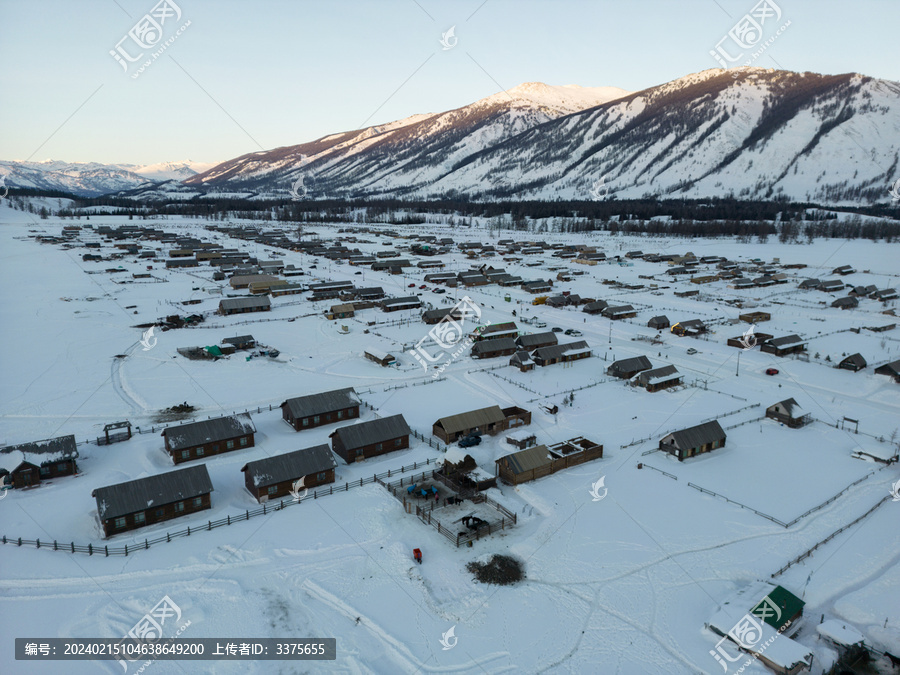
<point>411,286</point>
<point>771,371</point>
<point>691,351</point>
<point>557,329</point>
<point>439,290</point>
<point>423,287</point>
<point>540,324</point>
<point>469,441</point>
<point>357,272</point>
<point>573,332</point>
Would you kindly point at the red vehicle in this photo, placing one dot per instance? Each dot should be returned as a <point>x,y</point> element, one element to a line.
<point>422,287</point>
<point>411,286</point>
<point>417,555</point>
<point>771,371</point>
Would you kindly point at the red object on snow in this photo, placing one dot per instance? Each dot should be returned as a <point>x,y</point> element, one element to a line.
<point>771,371</point>
<point>417,554</point>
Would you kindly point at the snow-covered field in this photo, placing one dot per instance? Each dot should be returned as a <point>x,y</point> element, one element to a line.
<point>620,585</point>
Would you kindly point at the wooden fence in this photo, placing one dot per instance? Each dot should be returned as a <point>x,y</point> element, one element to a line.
<point>265,509</point>
<point>831,536</point>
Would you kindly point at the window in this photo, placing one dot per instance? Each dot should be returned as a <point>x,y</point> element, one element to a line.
<point>378,447</point>
<point>398,442</point>
<point>179,507</point>
<point>306,421</point>
<point>185,454</point>
<point>198,502</point>
<point>200,451</point>
<point>229,445</point>
<point>45,470</point>
<point>315,419</point>
<point>273,489</point>
<point>322,476</point>
<point>139,518</point>
<point>160,513</point>
<point>340,414</point>
<point>243,440</point>
<point>120,523</point>
<point>61,467</point>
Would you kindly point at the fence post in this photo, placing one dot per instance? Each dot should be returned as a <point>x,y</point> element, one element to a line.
<point>208,525</point>
<point>168,537</point>
<point>20,541</point>
<point>229,520</point>
<point>264,508</point>
<point>189,531</point>
<point>126,550</point>
<point>90,549</point>
<point>248,515</point>
<point>37,543</point>
<point>146,544</point>
<point>106,550</point>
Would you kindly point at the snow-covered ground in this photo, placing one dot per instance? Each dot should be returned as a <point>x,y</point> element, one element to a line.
<point>620,585</point>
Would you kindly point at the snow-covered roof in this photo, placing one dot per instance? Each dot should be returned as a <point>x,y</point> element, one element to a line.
<point>208,431</point>
<point>839,632</point>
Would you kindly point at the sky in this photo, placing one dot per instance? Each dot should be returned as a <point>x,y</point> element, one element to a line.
<point>242,77</point>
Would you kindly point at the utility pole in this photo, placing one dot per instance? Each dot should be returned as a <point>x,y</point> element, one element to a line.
<point>738,373</point>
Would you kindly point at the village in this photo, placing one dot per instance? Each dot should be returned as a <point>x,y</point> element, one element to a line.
<point>476,394</point>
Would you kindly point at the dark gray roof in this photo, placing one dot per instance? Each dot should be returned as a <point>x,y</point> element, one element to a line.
<point>663,374</point>
<point>527,459</point>
<point>556,351</point>
<point>439,313</point>
<point>373,431</point>
<point>621,309</point>
<point>892,367</point>
<point>658,320</point>
<point>325,402</point>
<point>243,303</point>
<point>50,450</point>
<point>472,419</point>
<point>152,492</point>
<point>633,365</point>
<point>694,437</point>
<point>240,339</point>
<point>790,407</point>
<point>527,341</point>
<point>596,305</point>
<point>493,345</point>
<point>786,341</point>
<point>290,466</point>
<point>412,299</point>
<point>520,358</point>
<point>208,431</point>
<point>856,359</point>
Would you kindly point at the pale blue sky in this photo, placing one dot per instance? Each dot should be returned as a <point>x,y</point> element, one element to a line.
<point>259,75</point>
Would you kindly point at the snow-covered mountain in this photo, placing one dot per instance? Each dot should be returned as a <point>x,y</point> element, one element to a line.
<point>749,133</point>
<point>91,179</point>
<point>407,155</point>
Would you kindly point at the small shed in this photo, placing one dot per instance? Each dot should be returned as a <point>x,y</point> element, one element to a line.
<point>854,362</point>
<point>658,378</point>
<point>658,322</point>
<point>240,342</point>
<point>788,412</point>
